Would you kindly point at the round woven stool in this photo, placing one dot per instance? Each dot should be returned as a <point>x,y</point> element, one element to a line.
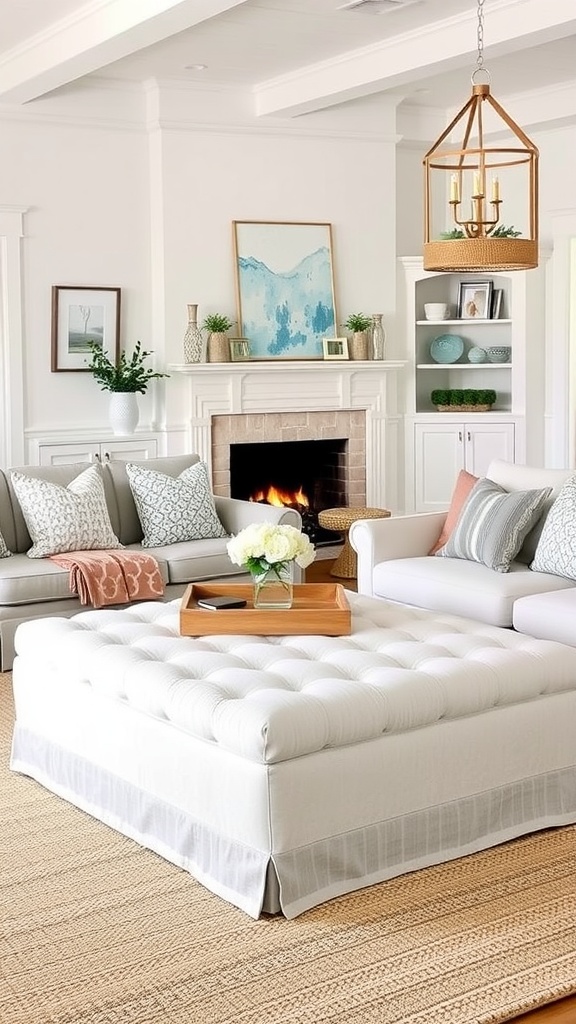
<point>340,520</point>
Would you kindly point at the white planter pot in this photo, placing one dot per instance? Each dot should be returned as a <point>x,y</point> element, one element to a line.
<point>124,412</point>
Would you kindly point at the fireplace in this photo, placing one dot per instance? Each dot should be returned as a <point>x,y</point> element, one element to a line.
<point>306,475</point>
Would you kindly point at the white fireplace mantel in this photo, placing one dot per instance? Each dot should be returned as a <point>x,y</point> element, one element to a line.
<point>228,389</point>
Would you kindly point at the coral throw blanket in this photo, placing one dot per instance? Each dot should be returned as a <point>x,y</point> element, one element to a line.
<point>112,577</point>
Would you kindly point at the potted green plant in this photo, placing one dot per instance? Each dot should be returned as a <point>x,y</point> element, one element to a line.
<point>124,379</point>
<point>218,346</point>
<point>359,324</point>
<point>463,399</point>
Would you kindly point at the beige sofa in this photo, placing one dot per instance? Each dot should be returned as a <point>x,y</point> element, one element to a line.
<point>393,563</point>
<point>36,587</point>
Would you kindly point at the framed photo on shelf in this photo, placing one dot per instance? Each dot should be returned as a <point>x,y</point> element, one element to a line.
<point>82,315</point>
<point>284,287</point>
<point>475,300</point>
<point>239,349</point>
<point>496,307</point>
<point>335,348</point>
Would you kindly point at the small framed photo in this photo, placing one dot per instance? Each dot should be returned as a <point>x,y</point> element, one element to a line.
<point>80,316</point>
<point>475,300</point>
<point>335,348</point>
<point>496,310</point>
<point>239,349</point>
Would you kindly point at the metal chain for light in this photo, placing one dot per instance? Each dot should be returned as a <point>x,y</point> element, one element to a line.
<point>480,36</point>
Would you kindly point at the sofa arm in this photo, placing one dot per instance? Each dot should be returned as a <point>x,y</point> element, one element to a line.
<point>235,514</point>
<point>379,540</point>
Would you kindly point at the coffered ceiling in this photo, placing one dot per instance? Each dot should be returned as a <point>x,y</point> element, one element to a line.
<point>290,56</point>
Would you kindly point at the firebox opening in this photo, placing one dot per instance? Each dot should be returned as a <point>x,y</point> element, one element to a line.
<point>306,475</point>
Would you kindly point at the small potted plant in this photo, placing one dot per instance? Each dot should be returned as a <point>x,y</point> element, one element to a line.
<point>124,379</point>
<point>218,346</point>
<point>359,324</point>
<point>463,400</point>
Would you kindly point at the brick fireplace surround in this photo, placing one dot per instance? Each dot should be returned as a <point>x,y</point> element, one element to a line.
<point>294,400</point>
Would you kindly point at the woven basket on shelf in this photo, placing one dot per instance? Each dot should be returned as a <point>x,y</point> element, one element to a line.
<point>481,254</point>
<point>464,408</point>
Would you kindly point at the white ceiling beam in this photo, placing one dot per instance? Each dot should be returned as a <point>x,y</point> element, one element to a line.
<point>509,25</point>
<point>94,36</point>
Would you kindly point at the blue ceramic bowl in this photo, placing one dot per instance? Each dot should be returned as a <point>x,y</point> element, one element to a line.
<point>499,353</point>
<point>446,348</point>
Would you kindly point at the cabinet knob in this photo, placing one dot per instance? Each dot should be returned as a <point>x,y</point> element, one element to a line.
<point>460,436</point>
<point>469,436</point>
<point>107,456</point>
<point>96,457</point>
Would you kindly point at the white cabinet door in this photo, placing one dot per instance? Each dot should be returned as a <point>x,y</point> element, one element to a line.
<point>438,457</point>
<point>97,451</point>
<point>442,449</point>
<point>486,441</point>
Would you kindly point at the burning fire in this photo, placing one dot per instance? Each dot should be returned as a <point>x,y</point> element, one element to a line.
<point>276,496</point>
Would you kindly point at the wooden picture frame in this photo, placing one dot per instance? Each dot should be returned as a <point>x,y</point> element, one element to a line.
<point>239,349</point>
<point>80,315</point>
<point>335,348</point>
<point>284,287</point>
<point>475,300</point>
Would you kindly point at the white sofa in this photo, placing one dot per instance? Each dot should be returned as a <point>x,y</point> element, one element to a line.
<point>393,563</point>
<point>36,587</point>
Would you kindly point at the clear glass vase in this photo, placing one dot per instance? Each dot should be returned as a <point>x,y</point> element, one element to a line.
<point>194,344</point>
<point>274,586</point>
<point>378,336</point>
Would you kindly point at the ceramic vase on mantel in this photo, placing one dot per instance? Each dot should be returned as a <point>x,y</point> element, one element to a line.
<point>274,587</point>
<point>378,336</point>
<point>123,411</point>
<point>194,348</point>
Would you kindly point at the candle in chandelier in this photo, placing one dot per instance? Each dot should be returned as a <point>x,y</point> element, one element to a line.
<point>454,190</point>
<point>495,190</point>
<point>477,186</point>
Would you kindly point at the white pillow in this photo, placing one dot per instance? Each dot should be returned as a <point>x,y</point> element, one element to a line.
<point>72,518</point>
<point>556,551</point>
<point>173,509</point>
<point>4,553</point>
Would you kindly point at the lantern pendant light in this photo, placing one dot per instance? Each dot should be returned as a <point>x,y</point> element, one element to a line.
<point>469,184</point>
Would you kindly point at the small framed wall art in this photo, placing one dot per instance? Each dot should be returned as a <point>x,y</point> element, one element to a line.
<point>239,349</point>
<point>82,315</point>
<point>335,348</point>
<point>475,300</point>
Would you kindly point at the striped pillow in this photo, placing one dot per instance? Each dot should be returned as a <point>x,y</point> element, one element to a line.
<point>493,524</point>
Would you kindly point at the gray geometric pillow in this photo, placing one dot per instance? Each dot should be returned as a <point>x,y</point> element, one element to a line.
<point>173,509</point>
<point>493,524</point>
<point>556,551</point>
<point>72,518</point>
<point>4,553</point>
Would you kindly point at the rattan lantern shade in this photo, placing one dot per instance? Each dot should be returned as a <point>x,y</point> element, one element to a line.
<point>469,163</point>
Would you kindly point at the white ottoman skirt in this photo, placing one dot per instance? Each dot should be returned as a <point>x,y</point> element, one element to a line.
<point>284,771</point>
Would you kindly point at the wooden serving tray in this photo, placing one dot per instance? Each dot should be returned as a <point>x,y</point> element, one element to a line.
<point>318,608</point>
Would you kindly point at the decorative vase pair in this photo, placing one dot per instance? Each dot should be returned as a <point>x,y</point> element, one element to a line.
<point>274,586</point>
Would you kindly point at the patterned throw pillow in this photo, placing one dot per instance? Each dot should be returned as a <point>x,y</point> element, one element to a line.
<point>72,518</point>
<point>493,523</point>
<point>173,509</point>
<point>4,553</point>
<point>556,551</point>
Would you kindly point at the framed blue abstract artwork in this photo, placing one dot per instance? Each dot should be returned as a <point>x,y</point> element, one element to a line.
<point>285,288</point>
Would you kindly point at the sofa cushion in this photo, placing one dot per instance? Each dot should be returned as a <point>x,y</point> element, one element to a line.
<point>460,587</point>
<point>556,551</point>
<point>70,518</point>
<point>197,560</point>
<point>549,616</point>
<point>123,514</point>
<point>464,484</point>
<point>174,509</point>
<point>493,524</point>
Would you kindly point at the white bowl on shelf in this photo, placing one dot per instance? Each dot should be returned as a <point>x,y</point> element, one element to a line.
<point>435,310</point>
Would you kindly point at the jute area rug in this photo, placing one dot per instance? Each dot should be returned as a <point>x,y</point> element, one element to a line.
<point>96,930</point>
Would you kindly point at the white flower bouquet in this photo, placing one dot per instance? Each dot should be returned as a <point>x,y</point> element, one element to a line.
<point>263,546</point>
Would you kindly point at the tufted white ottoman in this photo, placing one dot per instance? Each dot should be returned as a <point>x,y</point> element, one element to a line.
<point>284,771</point>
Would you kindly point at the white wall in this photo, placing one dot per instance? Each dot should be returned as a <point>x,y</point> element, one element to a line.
<point>139,190</point>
